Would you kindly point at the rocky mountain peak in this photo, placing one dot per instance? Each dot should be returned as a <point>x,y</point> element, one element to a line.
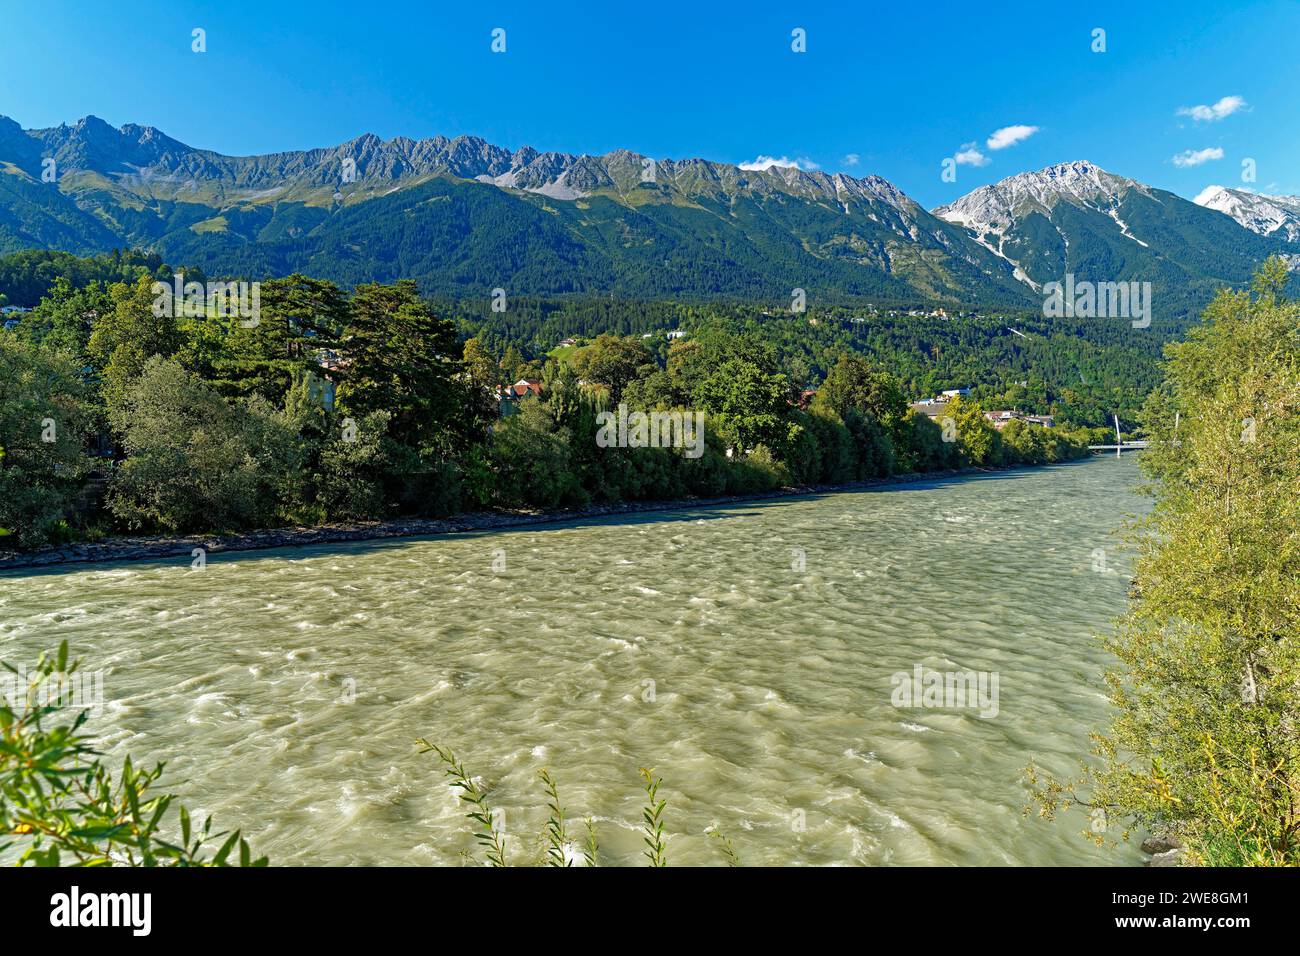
<point>990,209</point>
<point>1259,212</point>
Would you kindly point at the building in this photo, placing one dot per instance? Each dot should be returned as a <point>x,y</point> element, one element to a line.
<point>509,396</point>
<point>1000,419</point>
<point>332,361</point>
<point>522,389</point>
<point>11,314</point>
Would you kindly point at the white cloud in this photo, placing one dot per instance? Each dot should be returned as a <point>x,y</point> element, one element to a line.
<point>767,162</point>
<point>1209,114</point>
<point>852,159</point>
<point>969,155</point>
<point>1010,135</point>
<point>1194,157</point>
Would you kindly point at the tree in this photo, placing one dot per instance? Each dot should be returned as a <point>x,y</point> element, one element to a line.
<point>513,365</point>
<point>1205,739</point>
<point>978,442</point>
<point>195,462</point>
<point>481,366</point>
<point>299,319</point>
<point>854,384</point>
<point>925,448</point>
<point>352,470</point>
<point>45,416</point>
<point>655,390</point>
<point>65,316</point>
<point>131,333</point>
<point>482,375</point>
<point>532,456</point>
<point>747,405</point>
<point>613,361</point>
<point>404,360</point>
<point>1025,443</point>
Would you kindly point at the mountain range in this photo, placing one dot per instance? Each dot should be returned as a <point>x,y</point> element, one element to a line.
<point>463,217</point>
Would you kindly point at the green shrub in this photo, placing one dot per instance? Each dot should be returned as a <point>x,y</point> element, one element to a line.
<point>45,416</point>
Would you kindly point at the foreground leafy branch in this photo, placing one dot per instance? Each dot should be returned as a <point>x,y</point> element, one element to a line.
<point>557,838</point>
<point>63,807</point>
<point>489,835</point>
<point>653,817</point>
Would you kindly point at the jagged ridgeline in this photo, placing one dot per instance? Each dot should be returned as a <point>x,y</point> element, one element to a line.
<point>463,217</point>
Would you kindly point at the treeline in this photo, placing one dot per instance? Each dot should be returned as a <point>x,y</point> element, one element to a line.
<point>26,276</point>
<point>1082,371</point>
<point>119,415</point>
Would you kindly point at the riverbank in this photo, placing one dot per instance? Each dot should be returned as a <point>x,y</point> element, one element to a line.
<point>151,547</point>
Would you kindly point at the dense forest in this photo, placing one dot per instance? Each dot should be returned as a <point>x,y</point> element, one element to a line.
<point>117,414</point>
<point>25,277</point>
<point>1083,371</point>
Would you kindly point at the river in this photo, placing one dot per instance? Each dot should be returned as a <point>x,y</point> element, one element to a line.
<point>746,652</point>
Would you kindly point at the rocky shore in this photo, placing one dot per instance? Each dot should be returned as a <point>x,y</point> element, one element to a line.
<point>1163,850</point>
<point>142,548</point>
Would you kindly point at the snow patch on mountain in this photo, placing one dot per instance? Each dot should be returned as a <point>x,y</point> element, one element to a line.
<point>1123,227</point>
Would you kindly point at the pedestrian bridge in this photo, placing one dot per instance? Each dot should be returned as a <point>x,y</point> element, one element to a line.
<point>1119,449</point>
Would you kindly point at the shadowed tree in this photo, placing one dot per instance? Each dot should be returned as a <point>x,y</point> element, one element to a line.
<point>402,359</point>
<point>298,326</point>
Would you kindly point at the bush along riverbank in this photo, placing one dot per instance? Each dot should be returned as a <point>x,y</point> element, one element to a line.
<point>161,547</point>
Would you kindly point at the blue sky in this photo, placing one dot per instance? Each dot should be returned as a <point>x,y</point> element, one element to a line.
<point>898,86</point>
